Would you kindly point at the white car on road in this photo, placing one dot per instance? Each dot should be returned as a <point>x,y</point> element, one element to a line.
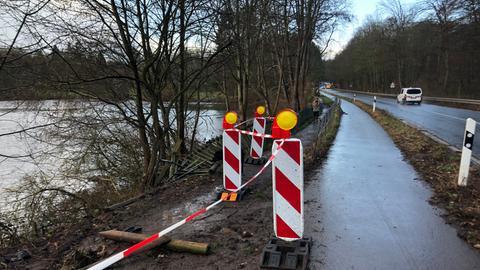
<point>410,95</point>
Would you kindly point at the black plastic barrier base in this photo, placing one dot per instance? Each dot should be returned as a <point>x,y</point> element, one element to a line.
<point>259,161</point>
<point>279,254</point>
<point>229,196</point>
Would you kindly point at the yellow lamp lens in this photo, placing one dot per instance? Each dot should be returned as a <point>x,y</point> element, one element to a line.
<point>286,119</point>
<point>231,118</point>
<point>261,110</point>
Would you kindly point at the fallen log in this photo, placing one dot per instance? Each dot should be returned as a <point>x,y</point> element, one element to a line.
<point>172,244</point>
<point>188,246</point>
<point>125,203</point>
<point>120,236</point>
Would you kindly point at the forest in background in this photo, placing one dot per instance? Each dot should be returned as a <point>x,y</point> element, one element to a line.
<point>50,74</point>
<point>434,45</point>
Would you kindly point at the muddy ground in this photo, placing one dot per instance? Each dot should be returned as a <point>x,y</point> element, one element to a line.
<point>236,231</point>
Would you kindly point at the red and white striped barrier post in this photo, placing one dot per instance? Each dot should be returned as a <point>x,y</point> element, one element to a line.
<point>259,124</point>
<point>287,169</point>
<point>466,152</point>
<point>232,153</point>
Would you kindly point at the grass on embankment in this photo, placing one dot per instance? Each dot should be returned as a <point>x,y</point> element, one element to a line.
<point>322,144</point>
<point>326,101</point>
<point>438,165</point>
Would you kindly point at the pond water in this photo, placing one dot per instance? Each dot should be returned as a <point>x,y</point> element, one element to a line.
<point>19,153</point>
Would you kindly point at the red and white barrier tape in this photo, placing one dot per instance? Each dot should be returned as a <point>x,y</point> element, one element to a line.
<point>251,133</point>
<point>241,123</point>
<point>251,119</point>
<point>127,252</point>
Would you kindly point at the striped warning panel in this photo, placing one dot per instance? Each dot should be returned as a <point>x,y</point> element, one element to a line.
<point>232,160</point>
<point>256,149</point>
<point>288,190</point>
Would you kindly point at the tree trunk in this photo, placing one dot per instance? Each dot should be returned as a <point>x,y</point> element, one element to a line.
<point>180,110</point>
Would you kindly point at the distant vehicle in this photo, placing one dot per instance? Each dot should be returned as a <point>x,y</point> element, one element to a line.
<point>410,95</point>
<point>326,85</point>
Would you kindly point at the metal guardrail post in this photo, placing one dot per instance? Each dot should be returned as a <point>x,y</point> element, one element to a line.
<point>438,99</point>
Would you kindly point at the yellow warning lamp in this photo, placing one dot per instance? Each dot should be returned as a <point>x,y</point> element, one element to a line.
<point>229,120</point>
<point>260,111</point>
<point>285,121</point>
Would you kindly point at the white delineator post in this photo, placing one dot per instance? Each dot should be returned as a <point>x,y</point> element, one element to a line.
<point>374,103</point>
<point>466,152</point>
<point>354,97</point>
<point>256,149</point>
<point>288,190</point>
<point>232,160</point>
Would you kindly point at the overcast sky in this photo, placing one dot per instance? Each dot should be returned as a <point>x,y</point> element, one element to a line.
<point>360,9</point>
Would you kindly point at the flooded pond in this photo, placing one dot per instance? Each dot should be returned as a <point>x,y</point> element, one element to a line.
<point>20,152</point>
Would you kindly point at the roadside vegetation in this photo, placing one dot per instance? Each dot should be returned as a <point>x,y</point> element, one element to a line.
<point>439,166</point>
<point>433,44</point>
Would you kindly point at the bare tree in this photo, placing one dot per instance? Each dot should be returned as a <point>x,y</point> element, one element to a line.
<point>142,37</point>
<point>446,14</point>
<point>20,12</point>
<point>399,19</point>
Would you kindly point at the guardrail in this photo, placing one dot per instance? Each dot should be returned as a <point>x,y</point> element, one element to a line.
<point>438,99</point>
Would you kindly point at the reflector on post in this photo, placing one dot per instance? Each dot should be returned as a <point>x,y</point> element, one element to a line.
<point>466,152</point>
<point>260,111</point>
<point>229,120</point>
<point>285,121</point>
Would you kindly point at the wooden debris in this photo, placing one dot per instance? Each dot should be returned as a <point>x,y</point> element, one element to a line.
<point>188,246</point>
<point>172,244</point>
<point>215,167</point>
<point>134,238</point>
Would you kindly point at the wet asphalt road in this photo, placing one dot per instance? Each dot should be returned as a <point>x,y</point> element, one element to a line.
<point>446,123</point>
<point>365,208</point>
